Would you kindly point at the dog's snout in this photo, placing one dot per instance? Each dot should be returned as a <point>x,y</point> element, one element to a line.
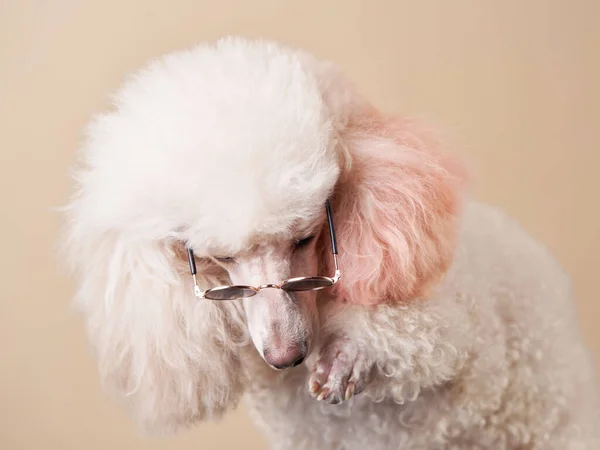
<point>281,326</point>
<point>284,358</point>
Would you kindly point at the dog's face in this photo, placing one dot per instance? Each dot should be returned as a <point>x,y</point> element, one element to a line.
<point>281,324</point>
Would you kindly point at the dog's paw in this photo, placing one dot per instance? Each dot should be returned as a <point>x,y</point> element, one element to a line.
<point>341,372</point>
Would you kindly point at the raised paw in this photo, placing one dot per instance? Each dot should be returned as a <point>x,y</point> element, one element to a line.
<point>341,372</point>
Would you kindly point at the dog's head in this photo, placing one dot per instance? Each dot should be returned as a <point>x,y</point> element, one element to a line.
<point>233,150</point>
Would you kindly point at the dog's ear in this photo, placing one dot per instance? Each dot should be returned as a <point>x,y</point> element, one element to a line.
<point>396,208</point>
<point>171,359</point>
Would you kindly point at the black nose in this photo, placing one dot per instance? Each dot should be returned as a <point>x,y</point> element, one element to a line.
<point>286,358</point>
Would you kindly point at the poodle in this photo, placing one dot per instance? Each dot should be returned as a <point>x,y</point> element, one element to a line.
<point>247,228</point>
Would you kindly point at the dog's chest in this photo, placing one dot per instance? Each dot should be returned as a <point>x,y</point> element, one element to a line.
<point>292,419</point>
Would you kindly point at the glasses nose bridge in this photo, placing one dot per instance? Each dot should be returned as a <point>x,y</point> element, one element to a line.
<point>269,286</point>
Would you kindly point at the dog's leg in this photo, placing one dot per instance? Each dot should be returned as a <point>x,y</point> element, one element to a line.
<point>341,371</point>
<point>388,351</point>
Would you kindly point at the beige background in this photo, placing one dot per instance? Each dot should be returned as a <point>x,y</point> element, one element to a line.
<point>515,81</point>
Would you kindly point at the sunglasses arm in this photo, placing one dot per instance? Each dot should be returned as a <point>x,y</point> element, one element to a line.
<point>338,274</point>
<point>192,262</point>
<point>334,248</point>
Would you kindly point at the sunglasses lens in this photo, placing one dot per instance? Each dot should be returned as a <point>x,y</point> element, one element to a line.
<point>307,284</point>
<point>230,293</point>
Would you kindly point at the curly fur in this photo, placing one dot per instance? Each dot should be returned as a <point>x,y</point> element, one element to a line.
<point>398,206</point>
<point>461,326</point>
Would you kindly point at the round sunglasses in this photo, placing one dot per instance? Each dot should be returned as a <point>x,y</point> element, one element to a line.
<point>297,284</point>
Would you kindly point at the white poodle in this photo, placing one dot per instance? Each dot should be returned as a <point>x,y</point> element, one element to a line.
<point>439,324</point>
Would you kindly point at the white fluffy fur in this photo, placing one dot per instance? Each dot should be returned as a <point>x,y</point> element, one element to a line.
<point>234,148</point>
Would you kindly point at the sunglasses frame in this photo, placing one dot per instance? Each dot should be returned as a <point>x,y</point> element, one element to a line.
<point>256,289</point>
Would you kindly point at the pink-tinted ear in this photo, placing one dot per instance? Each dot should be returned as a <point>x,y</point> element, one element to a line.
<point>396,211</point>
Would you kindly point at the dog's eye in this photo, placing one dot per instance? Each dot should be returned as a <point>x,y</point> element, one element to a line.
<point>225,259</point>
<point>304,242</point>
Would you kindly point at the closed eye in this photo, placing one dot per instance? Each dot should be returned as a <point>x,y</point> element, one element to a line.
<point>225,259</point>
<point>304,242</point>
